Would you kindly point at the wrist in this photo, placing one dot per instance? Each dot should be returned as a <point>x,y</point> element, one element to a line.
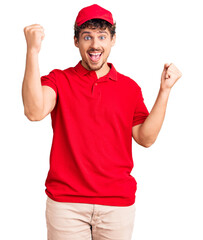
<point>32,51</point>
<point>165,91</point>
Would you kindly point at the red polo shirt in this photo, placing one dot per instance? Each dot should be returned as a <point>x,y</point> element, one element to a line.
<point>91,154</point>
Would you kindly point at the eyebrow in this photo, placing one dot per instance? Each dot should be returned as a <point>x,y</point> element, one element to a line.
<point>86,32</point>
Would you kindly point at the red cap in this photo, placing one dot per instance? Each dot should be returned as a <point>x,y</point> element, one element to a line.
<point>91,12</point>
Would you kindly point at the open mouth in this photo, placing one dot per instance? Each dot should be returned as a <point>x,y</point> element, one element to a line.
<point>95,57</point>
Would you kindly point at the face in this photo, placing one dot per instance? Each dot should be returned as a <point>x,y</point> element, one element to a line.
<point>94,46</point>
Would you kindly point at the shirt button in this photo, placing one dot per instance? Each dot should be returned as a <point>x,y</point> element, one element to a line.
<point>96,84</point>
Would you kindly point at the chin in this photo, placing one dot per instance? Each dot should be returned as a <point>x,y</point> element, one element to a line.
<point>95,67</point>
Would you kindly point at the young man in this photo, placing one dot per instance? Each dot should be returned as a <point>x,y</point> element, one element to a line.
<point>95,111</point>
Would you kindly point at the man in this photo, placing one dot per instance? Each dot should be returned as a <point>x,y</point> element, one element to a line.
<point>95,112</point>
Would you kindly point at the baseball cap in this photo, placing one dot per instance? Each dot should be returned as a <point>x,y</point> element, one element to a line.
<point>92,12</point>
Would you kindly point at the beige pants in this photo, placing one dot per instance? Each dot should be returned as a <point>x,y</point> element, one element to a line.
<point>83,221</point>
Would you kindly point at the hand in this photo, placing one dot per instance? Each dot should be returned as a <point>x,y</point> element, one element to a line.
<point>169,76</point>
<point>34,35</point>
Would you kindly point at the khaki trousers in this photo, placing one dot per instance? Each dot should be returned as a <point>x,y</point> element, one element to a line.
<point>83,221</point>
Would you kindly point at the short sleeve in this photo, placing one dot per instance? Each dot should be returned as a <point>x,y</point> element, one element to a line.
<point>141,112</point>
<point>50,80</point>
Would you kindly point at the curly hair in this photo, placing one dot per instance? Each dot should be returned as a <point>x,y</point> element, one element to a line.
<point>94,24</point>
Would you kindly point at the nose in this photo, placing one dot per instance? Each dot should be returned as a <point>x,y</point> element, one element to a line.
<point>95,43</point>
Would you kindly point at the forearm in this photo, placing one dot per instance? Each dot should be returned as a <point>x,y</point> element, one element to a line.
<point>32,93</point>
<point>149,130</point>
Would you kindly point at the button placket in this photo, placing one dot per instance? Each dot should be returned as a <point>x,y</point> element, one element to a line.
<point>97,82</point>
<point>94,85</point>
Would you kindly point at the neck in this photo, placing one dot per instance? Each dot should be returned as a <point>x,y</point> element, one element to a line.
<point>100,72</point>
<point>103,71</point>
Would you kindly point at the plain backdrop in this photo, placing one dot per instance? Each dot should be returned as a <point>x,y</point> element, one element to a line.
<point>169,198</point>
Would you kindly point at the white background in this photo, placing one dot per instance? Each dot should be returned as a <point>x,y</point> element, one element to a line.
<point>169,203</point>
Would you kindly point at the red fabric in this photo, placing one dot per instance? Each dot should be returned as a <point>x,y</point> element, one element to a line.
<point>93,11</point>
<point>91,153</point>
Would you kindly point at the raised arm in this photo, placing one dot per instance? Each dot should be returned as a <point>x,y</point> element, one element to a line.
<point>38,100</point>
<point>146,133</point>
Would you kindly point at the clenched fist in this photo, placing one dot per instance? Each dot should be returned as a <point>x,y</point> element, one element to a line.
<point>169,76</point>
<point>34,34</point>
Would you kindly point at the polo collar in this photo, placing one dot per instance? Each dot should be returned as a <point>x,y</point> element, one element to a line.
<point>112,74</point>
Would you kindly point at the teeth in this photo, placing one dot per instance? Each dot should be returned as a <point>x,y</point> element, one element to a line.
<point>95,54</point>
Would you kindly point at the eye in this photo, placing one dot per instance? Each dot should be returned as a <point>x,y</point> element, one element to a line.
<point>102,37</point>
<point>87,37</point>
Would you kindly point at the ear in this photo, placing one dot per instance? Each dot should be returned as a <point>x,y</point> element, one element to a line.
<point>113,41</point>
<point>76,42</point>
